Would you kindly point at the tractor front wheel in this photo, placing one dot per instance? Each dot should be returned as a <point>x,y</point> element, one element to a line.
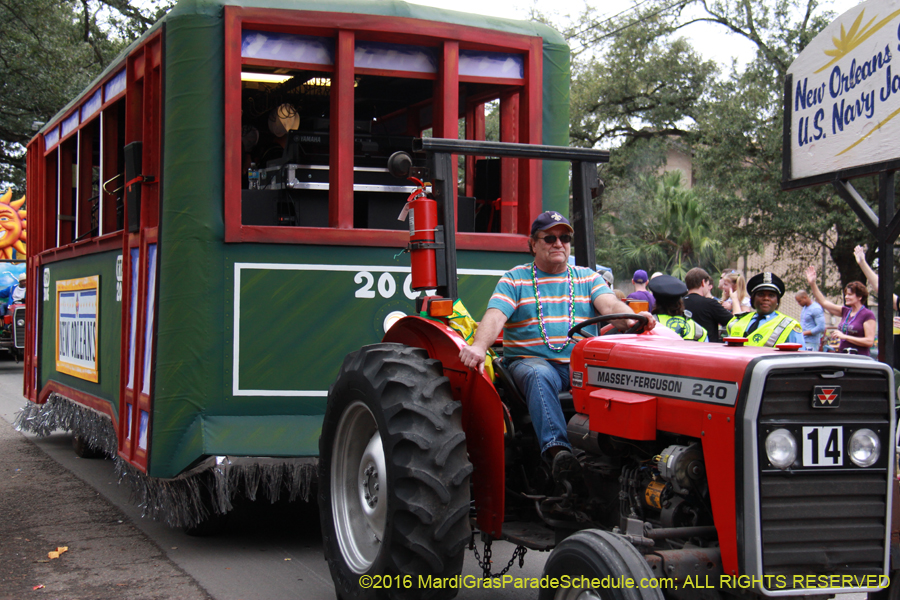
<point>591,556</point>
<point>393,475</point>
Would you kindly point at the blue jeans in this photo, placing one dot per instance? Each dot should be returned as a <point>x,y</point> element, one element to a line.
<point>541,381</point>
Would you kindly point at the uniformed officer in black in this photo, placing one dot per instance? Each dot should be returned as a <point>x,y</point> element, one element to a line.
<point>669,293</point>
<point>765,326</point>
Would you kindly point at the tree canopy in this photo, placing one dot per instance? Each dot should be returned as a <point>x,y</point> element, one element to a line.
<point>50,50</point>
<point>639,86</point>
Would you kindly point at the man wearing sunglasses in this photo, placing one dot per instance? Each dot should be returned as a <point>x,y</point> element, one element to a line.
<point>535,305</point>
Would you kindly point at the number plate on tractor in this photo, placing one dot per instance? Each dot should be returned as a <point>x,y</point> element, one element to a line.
<point>823,446</point>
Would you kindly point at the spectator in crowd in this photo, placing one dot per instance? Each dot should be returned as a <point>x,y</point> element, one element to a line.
<point>812,320</point>
<point>706,311</point>
<point>669,293</point>
<point>872,279</point>
<point>608,278</point>
<point>734,293</point>
<point>856,331</point>
<point>640,292</point>
<point>765,326</point>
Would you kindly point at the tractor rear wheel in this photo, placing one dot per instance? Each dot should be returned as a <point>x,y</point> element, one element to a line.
<point>393,475</point>
<point>599,555</point>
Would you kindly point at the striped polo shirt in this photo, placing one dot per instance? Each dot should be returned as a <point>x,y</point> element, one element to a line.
<point>514,296</point>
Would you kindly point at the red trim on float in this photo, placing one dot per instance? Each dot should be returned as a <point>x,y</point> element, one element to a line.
<point>89,400</point>
<point>492,80</point>
<point>345,28</point>
<point>232,166</point>
<point>509,167</point>
<point>531,128</point>
<point>281,64</point>
<point>340,178</point>
<point>402,30</point>
<point>106,243</point>
<point>446,100</point>
<point>395,73</point>
<point>382,238</point>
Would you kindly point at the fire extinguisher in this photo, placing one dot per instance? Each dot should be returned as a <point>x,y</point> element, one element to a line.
<point>423,223</point>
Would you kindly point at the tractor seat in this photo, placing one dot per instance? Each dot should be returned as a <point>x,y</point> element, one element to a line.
<point>516,397</point>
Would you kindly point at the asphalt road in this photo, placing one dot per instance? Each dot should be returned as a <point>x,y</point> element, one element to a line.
<point>268,552</point>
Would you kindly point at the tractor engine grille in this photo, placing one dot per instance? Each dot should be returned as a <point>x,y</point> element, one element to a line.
<point>19,330</point>
<point>825,515</point>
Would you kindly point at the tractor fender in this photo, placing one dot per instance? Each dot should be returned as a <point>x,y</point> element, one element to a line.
<point>482,416</point>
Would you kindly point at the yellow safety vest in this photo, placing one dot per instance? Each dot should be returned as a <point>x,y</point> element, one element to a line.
<point>686,328</point>
<point>774,331</point>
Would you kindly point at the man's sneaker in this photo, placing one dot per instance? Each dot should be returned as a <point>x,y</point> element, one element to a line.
<point>566,467</point>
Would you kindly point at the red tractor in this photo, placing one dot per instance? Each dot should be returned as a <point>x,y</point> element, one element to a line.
<point>710,470</point>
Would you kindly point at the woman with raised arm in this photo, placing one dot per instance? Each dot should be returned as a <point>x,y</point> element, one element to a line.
<point>856,331</point>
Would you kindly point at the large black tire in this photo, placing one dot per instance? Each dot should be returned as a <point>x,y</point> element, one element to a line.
<point>393,476</point>
<point>593,553</point>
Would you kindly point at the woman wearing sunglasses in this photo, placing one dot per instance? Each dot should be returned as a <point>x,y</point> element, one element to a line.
<point>856,331</point>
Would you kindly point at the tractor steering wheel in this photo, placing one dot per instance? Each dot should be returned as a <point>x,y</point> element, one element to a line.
<point>641,321</point>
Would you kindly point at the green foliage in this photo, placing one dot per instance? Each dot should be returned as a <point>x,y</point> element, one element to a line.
<point>644,84</point>
<point>635,82</point>
<point>739,154</point>
<point>656,224</point>
<point>49,51</point>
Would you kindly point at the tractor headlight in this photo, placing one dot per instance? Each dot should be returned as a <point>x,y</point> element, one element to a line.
<point>865,448</point>
<point>781,448</point>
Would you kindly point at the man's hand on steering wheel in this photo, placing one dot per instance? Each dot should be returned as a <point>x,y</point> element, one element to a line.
<point>624,322</point>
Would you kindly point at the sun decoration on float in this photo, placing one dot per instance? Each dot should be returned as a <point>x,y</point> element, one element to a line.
<point>12,226</point>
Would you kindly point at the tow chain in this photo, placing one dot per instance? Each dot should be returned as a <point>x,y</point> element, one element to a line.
<point>519,553</point>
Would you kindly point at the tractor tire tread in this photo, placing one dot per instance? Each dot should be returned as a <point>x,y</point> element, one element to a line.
<point>428,525</point>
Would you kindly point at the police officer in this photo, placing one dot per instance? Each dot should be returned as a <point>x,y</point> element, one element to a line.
<point>765,326</point>
<point>669,309</point>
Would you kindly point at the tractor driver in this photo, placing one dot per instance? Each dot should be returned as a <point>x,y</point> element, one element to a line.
<point>765,326</point>
<point>535,305</point>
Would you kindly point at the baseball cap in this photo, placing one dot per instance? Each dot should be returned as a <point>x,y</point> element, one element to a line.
<point>549,219</point>
<point>21,277</point>
<point>640,276</point>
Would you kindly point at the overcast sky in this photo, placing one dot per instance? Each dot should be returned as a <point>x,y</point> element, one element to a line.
<point>710,40</point>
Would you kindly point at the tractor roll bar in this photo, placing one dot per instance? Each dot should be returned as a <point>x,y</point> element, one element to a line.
<point>471,148</point>
<point>585,186</point>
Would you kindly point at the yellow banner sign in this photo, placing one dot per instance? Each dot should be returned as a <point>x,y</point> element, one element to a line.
<point>77,320</point>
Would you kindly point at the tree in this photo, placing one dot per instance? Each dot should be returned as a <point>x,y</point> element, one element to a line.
<point>659,225</point>
<point>636,80</point>
<point>49,51</point>
<point>739,151</point>
<point>643,84</point>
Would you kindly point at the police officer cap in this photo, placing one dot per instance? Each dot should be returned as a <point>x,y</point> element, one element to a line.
<point>766,281</point>
<point>667,286</point>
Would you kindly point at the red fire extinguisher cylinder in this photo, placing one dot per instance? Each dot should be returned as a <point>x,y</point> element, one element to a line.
<point>423,222</point>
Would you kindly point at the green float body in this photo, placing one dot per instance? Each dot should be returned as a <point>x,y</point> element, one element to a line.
<point>294,308</point>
